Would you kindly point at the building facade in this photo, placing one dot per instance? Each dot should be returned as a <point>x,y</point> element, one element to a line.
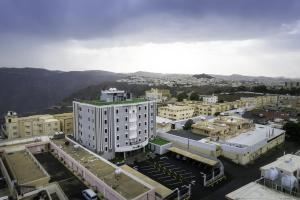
<point>175,112</point>
<point>292,84</point>
<point>118,127</point>
<point>210,99</point>
<point>21,127</point>
<point>66,122</point>
<point>261,101</point>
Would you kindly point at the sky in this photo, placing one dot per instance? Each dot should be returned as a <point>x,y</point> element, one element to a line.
<point>249,37</point>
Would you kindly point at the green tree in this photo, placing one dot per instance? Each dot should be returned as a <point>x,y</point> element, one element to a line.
<point>194,97</point>
<point>292,130</point>
<point>217,114</point>
<point>182,96</point>
<point>188,125</point>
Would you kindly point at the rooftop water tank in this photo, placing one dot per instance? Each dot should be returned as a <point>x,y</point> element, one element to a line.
<point>289,182</point>
<point>271,174</point>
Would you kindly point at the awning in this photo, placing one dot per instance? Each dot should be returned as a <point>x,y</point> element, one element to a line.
<point>193,156</point>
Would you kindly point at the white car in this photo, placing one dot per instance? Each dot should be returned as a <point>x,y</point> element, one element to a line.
<point>89,194</point>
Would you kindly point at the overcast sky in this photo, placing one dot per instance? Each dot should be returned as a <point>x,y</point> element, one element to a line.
<point>250,37</point>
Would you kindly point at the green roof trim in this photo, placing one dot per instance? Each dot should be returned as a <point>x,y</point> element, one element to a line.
<point>104,103</point>
<point>159,141</point>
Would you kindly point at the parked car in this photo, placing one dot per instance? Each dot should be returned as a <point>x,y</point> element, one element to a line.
<point>89,194</point>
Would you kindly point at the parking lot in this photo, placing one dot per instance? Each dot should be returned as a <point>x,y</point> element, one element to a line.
<point>69,183</point>
<point>176,172</point>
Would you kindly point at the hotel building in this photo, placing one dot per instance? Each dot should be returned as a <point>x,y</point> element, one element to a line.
<point>110,127</point>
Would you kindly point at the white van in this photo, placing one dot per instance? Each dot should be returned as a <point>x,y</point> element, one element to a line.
<point>89,194</point>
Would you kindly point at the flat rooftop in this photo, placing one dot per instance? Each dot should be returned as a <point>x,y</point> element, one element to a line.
<point>254,190</point>
<point>23,167</point>
<point>159,188</point>
<point>123,184</point>
<point>258,134</point>
<point>289,163</point>
<point>104,103</point>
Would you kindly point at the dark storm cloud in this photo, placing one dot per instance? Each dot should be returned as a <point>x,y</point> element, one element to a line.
<point>146,20</point>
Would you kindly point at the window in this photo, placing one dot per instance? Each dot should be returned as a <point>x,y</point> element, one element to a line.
<point>151,114</point>
<point>105,130</point>
<point>145,115</point>
<point>105,121</point>
<point>117,128</point>
<point>126,135</point>
<point>139,107</point>
<point>117,111</point>
<point>105,148</point>
<point>145,123</point>
<point>126,109</point>
<point>139,139</point>
<point>105,139</point>
<point>145,107</point>
<point>118,145</point>
<point>145,131</point>
<point>140,124</point>
<point>118,137</point>
<point>117,119</point>
<point>139,116</point>
<point>105,112</point>
<point>88,110</point>
<point>139,132</point>
<point>93,137</point>
<point>126,119</point>
<point>126,127</point>
<point>89,119</point>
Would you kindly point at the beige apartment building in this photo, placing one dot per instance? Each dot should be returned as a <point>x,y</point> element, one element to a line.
<point>261,101</point>
<point>66,122</point>
<point>22,127</point>
<point>176,112</point>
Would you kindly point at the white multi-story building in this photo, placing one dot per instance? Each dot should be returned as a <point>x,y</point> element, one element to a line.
<point>210,99</point>
<point>108,128</point>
